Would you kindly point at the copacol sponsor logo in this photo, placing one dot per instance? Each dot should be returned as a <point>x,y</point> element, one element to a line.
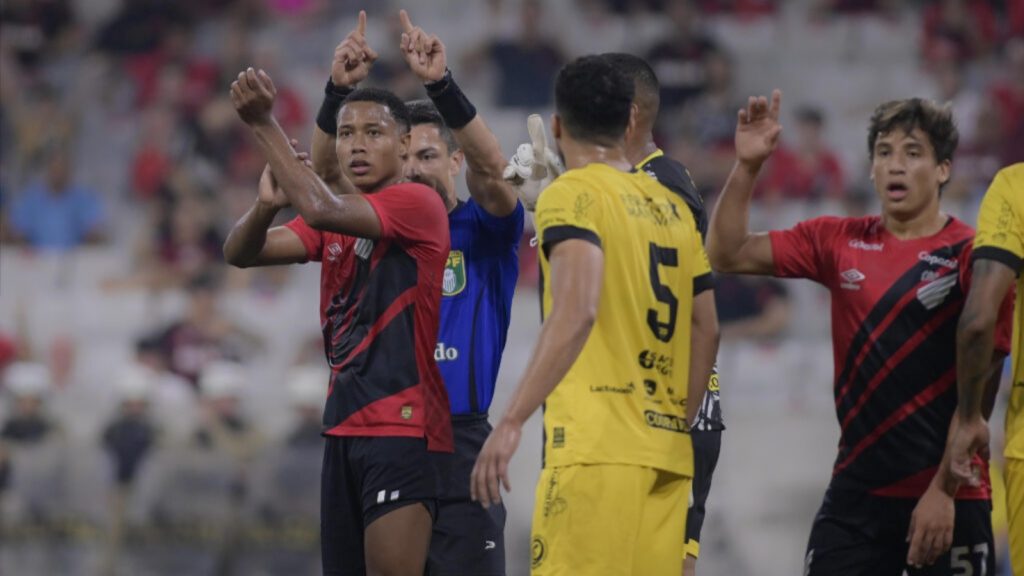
<point>937,260</point>
<point>443,353</point>
<point>862,245</point>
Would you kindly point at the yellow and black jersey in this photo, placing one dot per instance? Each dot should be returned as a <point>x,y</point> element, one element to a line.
<point>1000,237</point>
<point>624,399</point>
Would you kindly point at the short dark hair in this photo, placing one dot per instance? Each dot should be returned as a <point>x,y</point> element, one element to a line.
<point>934,120</point>
<point>385,98</point>
<point>636,69</point>
<point>424,112</point>
<point>593,99</point>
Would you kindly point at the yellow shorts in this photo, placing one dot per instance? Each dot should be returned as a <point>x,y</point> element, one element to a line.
<point>1015,512</point>
<point>609,520</point>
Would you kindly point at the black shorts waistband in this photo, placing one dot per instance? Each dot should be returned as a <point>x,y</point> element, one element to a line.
<point>471,418</point>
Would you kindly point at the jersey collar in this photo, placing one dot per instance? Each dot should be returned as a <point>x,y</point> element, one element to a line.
<point>652,156</point>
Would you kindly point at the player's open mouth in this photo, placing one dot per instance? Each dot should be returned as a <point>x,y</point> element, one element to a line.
<point>896,191</point>
<point>359,167</point>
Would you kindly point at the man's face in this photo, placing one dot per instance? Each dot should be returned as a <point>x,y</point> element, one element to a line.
<point>429,162</point>
<point>905,174</point>
<point>370,145</point>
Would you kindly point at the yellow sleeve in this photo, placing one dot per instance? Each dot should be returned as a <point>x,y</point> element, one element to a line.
<point>568,209</point>
<point>1000,235</point>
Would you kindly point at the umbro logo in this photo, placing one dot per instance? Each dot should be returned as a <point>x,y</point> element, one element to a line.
<point>333,251</point>
<point>851,279</point>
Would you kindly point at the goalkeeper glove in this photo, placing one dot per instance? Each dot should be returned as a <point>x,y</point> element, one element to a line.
<point>534,165</point>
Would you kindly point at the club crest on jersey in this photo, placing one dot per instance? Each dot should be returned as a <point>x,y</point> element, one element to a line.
<point>935,292</point>
<point>852,279</point>
<point>454,274</point>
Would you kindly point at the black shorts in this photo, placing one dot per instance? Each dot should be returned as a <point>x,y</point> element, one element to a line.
<point>707,445</point>
<point>364,478</point>
<point>468,540</point>
<point>856,534</point>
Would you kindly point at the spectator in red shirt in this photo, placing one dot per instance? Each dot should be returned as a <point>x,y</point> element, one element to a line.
<point>808,171</point>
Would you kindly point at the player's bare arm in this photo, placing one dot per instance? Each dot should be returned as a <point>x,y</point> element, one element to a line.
<point>577,268</point>
<point>703,350</point>
<point>426,56</point>
<point>351,64</point>
<point>253,96</point>
<point>252,242</point>
<point>990,282</point>
<point>731,246</point>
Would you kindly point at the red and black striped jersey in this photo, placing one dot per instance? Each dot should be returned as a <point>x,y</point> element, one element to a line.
<point>379,311</point>
<point>895,308</point>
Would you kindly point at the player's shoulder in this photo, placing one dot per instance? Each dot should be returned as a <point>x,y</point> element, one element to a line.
<point>1009,183</point>
<point>672,174</point>
<point>1012,174</point>
<point>846,226</point>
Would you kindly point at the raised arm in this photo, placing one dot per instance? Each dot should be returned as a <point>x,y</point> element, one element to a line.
<point>731,246</point>
<point>485,162</point>
<point>253,96</point>
<point>252,242</point>
<point>352,61</point>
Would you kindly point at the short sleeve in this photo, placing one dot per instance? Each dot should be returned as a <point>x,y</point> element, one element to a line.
<point>1000,235</point>
<point>567,210</point>
<point>312,240</point>
<point>506,229</point>
<point>410,214</point>
<point>801,251</point>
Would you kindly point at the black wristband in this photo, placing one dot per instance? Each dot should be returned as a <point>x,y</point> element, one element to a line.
<point>453,105</point>
<point>327,117</point>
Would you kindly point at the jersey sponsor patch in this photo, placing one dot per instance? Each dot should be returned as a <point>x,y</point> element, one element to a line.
<point>454,274</point>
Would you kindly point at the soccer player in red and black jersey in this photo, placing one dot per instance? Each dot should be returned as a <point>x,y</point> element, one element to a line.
<point>382,245</point>
<point>898,283</point>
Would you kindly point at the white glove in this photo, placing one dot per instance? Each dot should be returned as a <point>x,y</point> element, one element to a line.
<point>534,165</point>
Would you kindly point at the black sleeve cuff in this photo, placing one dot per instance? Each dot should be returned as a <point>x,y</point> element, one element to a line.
<point>1000,255</point>
<point>556,234</point>
<point>703,283</point>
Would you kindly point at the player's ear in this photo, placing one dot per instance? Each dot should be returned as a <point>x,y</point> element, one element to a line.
<point>943,171</point>
<point>403,143</point>
<point>634,114</point>
<point>457,159</point>
<point>556,126</point>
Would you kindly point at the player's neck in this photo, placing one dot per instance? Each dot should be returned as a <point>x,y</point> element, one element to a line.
<point>927,223</point>
<point>580,154</point>
<point>381,185</point>
<point>638,154</point>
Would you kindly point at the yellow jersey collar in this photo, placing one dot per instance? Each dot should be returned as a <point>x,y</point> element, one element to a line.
<point>652,156</point>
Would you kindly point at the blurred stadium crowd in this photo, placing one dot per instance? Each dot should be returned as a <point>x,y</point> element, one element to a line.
<point>159,411</point>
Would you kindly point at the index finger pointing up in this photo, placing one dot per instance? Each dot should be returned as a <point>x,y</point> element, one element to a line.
<point>406,23</point>
<point>361,27</point>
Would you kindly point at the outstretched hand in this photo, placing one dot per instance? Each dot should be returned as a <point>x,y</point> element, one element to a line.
<point>353,58</point>
<point>758,129</point>
<point>423,52</point>
<point>253,95</point>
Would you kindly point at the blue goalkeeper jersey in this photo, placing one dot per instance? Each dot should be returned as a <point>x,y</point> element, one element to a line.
<point>476,303</point>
